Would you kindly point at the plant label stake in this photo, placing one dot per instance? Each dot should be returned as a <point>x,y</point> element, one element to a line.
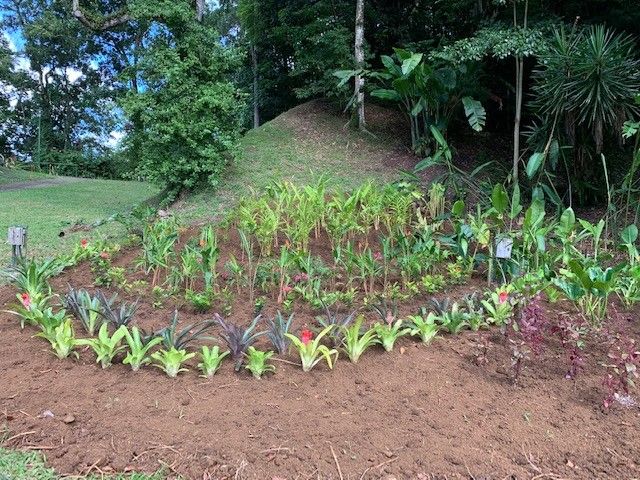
<point>17,238</point>
<point>504,247</point>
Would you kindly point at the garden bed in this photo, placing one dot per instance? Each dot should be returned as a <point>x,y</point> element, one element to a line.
<point>422,410</point>
<point>446,409</point>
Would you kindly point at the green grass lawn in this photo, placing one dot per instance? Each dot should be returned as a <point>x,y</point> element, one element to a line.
<point>15,465</point>
<point>12,175</point>
<point>49,210</point>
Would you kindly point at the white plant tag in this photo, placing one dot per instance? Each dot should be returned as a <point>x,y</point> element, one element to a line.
<point>504,247</point>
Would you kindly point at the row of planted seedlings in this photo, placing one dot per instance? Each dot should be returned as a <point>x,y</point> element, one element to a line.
<point>388,245</point>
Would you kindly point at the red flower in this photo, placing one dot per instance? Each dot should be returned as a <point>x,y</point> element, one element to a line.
<point>104,255</point>
<point>26,300</point>
<point>306,336</point>
<point>84,242</point>
<point>287,289</point>
<point>503,296</point>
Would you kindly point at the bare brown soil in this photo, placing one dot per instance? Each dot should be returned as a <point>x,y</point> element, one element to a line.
<point>421,412</point>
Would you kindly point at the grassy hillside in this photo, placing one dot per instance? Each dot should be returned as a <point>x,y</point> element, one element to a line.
<point>56,205</point>
<point>13,175</point>
<point>303,144</point>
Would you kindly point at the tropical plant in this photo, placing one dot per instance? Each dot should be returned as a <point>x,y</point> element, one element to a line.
<point>62,339</point>
<point>312,351</point>
<point>85,308</point>
<point>139,347</point>
<point>106,347</point>
<point>257,362</point>
<point>498,307</point>
<point>172,337</point>
<point>389,332</point>
<point>239,338</point>
<point>171,361</point>
<point>277,330</point>
<point>118,316</point>
<point>30,309</point>
<point>426,328</point>
<point>336,320</point>
<point>30,276</point>
<point>454,320</point>
<point>211,359</point>
<point>158,241</point>
<point>355,341</point>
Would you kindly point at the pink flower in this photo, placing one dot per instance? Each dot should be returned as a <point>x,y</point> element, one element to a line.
<point>26,300</point>
<point>377,256</point>
<point>306,336</point>
<point>287,289</point>
<point>104,255</point>
<point>503,297</point>
<point>84,242</point>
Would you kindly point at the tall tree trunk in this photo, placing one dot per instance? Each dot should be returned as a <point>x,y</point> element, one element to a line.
<point>359,54</point>
<point>199,10</point>
<point>256,105</point>
<point>519,94</point>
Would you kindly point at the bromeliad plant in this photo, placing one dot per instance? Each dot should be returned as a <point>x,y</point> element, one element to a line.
<point>498,306</point>
<point>355,342</point>
<point>139,347</point>
<point>30,276</point>
<point>389,332</point>
<point>211,359</point>
<point>277,332</point>
<point>30,309</point>
<point>179,339</point>
<point>257,362</point>
<point>239,338</point>
<point>337,321</point>
<point>426,328</point>
<point>106,347</point>
<point>312,351</point>
<point>85,308</point>
<point>120,316</point>
<point>171,361</point>
<point>62,339</point>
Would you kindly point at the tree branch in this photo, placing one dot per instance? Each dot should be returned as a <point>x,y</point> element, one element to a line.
<point>105,24</point>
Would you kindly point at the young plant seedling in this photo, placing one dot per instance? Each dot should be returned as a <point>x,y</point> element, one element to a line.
<point>257,362</point>
<point>84,308</point>
<point>388,333</point>
<point>120,316</point>
<point>425,328</point>
<point>211,360</point>
<point>105,347</point>
<point>277,331</point>
<point>355,342</point>
<point>311,351</point>
<point>62,339</point>
<point>170,361</point>
<point>137,355</point>
<point>238,338</point>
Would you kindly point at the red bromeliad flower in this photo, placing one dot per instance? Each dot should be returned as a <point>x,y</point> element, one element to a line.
<point>104,255</point>
<point>26,300</point>
<point>306,336</point>
<point>503,296</point>
<point>84,242</point>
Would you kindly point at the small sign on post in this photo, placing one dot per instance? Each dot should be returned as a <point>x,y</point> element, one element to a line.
<point>17,238</point>
<point>504,247</point>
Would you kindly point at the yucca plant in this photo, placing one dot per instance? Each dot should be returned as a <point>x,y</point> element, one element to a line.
<point>211,359</point>
<point>61,338</point>
<point>257,362</point>
<point>118,316</point>
<point>139,347</point>
<point>171,361</point>
<point>355,341</point>
<point>426,328</point>
<point>239,338</point>
<point>85,308</point>
<point>277,330</point>
<point>312,351</point>
<point>389,332</point>
<point>106,347</point>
